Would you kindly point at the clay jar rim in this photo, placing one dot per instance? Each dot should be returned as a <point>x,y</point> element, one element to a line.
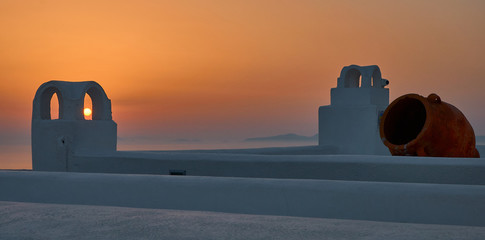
<point>432,98</point>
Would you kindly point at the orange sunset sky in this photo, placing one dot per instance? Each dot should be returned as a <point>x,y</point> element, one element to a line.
<point>225,70</point>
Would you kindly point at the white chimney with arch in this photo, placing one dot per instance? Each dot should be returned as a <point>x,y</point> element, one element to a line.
<point>351,121</point>
<point>54,141</point>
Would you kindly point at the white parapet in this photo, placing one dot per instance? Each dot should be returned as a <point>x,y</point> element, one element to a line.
<point>377,201</point>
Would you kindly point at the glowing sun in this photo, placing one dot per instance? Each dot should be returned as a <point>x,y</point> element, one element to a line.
<point>87,112</point>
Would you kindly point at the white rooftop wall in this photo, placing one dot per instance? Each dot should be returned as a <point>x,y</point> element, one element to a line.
<point>377,201</point>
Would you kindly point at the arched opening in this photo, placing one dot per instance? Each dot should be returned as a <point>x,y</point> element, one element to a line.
<point>352,78</point>
<point>404,121</point>
<point>54,107</point>
<point>88,107</point>
<point>376,78</point>
<point>51,105</point>
<point>100,103</point>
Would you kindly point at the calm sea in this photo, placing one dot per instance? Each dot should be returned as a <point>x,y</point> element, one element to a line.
<point>15,157</point>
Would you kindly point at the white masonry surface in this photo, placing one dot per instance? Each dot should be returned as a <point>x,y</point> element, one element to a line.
<point>351,121</point>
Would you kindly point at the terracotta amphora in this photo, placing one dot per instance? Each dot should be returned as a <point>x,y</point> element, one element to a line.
<point>413,125</point>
